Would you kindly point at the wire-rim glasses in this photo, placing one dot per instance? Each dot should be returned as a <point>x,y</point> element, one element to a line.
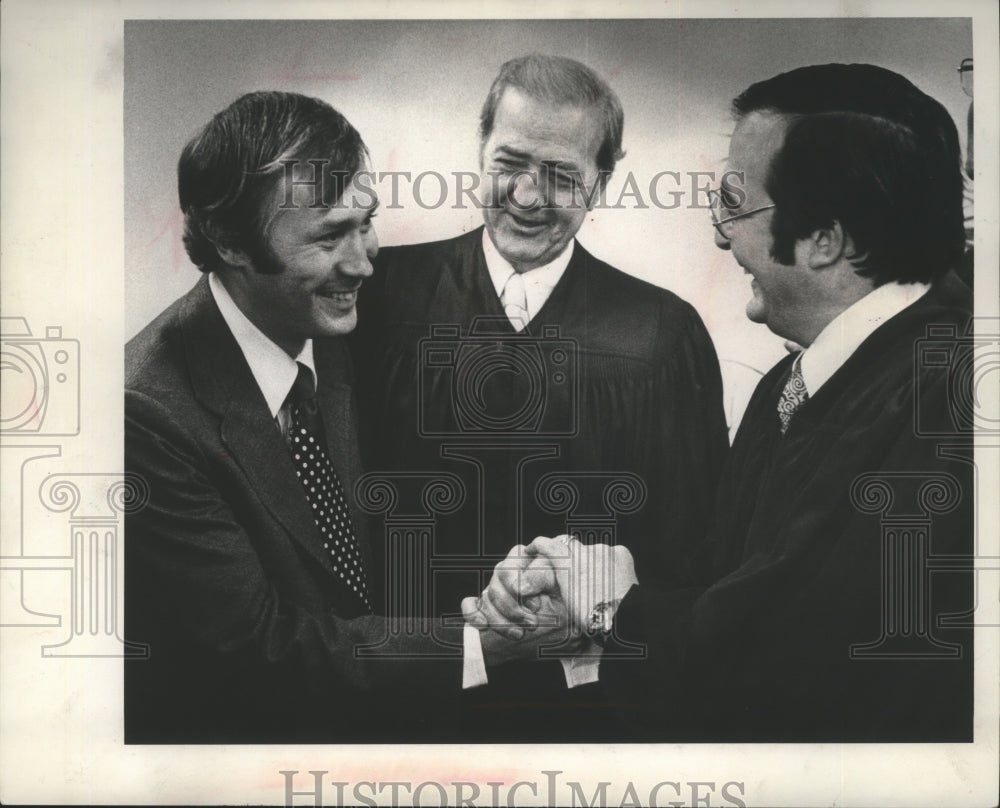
<point>721,200</point>
<point>965,76</point>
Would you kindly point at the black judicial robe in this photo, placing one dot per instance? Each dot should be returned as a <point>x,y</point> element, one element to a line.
<point>604,418</point>
<point>835,588</point>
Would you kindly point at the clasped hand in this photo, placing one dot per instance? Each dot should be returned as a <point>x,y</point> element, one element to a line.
<point>544,593</point>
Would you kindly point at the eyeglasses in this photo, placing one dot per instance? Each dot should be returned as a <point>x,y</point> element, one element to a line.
<point>720,200</point>
<point>965,76</point>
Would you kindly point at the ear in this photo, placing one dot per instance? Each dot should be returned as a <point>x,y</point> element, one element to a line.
<point>233,256</point>
<point>829,245</point>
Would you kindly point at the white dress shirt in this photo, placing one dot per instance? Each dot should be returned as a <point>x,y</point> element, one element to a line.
<point>538,282</point>
<point>273,369</point>
<point>844,334</point>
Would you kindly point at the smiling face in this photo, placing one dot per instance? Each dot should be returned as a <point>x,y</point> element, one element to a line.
<point>539,168</point>
<point>315,261</point>
<point>781,292</point>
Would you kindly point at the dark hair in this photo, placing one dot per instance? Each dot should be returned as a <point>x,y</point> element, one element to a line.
<point>563,82</point>
<point>229,172</point>
<point>864,147</point>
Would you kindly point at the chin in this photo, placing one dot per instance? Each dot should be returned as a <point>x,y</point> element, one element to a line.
<point>340,326</point>
<point>516,251</point>
<point>756,311</point>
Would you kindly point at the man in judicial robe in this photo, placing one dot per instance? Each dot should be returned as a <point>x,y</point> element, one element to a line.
<point>565,395</point>
<point>832,598</point>
<point>249,572</point>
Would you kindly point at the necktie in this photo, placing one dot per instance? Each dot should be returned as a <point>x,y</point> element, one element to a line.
<point>322,487</point>
<point>515,301</point>
<point>793,396</point>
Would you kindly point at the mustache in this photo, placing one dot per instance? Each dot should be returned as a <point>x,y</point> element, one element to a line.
<point>330,290</point>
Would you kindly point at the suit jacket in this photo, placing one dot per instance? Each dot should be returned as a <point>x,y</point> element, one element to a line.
<point>815,612</point>
<point>252,635</point>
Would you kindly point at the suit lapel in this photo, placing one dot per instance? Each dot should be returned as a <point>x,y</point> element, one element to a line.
<point>223,382</point>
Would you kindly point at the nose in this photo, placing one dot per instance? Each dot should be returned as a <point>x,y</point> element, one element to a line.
<point>524,191</point>
<point>361,249</point>
<point>721,241</point>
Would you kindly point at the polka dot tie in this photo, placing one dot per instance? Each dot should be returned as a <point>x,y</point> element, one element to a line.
<point>793,396</point>
<point>322,487</point>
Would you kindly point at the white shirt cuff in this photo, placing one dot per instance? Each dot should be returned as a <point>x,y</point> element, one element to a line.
<point>583,669</point>
<point>473,664</point>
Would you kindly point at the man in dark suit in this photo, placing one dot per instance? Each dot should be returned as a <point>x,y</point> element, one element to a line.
<point>566,394</point>
<point>249,571</point>
<point>831,600</point>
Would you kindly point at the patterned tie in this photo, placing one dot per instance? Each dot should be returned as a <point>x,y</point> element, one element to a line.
<point>322,487</point>
<point>793,396</point>
<point>515,301</point>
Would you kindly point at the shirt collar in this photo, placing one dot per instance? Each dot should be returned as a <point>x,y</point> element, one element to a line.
<point>845,332</point>
<point>538,282</point>
<point>273,369</point>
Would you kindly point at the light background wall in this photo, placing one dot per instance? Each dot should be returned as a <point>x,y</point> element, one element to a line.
<point>61,259</point>
<point>414,88</point>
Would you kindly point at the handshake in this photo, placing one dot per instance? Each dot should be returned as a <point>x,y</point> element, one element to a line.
<point>555,593</point>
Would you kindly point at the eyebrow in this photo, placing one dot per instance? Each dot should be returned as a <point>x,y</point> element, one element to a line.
<point>512,151</point>
<point>567,165</point>
<point>337,228</point>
